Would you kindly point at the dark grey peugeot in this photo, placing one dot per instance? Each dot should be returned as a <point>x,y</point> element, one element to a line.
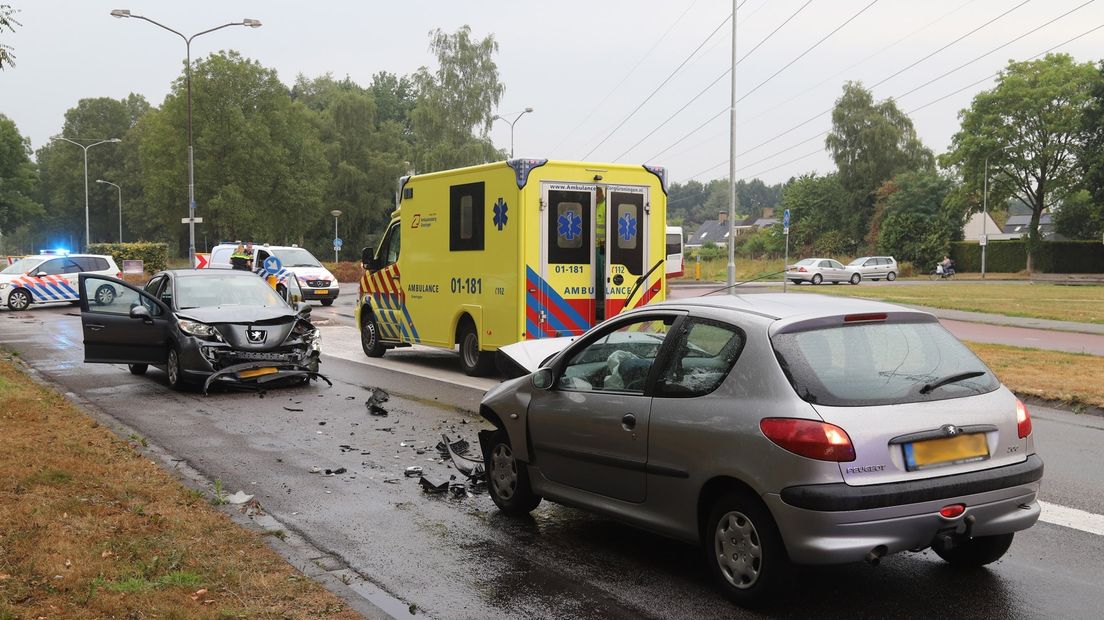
<point>218,327</point>
<point>772,430</point>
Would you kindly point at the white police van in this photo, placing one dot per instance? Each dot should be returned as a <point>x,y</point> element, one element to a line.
<point>315,280</point>
<point>52,277</point>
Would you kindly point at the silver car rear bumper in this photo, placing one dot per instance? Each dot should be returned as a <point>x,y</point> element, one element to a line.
<point>902,516</point>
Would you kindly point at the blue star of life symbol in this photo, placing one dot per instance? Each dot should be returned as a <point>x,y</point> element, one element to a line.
<point>626,227</point>
<point>500,209</point>
<point>570,225</point>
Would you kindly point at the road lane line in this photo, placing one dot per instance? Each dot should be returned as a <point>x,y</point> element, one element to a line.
<point>1072,517</point>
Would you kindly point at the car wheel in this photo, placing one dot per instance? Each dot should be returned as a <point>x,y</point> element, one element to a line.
<point>138,369</point>
<point>817,279</point>
<point>507,479</point>
<point>855,278</point>
<point>105,295</point>
<point>174,370</point>
<point>475,363</point>
<point>744,549</point>
<point>19,299</point>
<point>977,551</point>
<point>369,335</point>
<point>891,276</point>
<point>327,302</point>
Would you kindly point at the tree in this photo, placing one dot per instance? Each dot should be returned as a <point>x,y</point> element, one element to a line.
<point>18,178</point>
<point>1030,127</point>
<point>816,204</point>
<point>1091,158</point>
<point>455,104</point>
<point>1080,217</point>
<point>260,171</point>
<point>870,143</point>
<point>919,221</point>
<point>7,22</point>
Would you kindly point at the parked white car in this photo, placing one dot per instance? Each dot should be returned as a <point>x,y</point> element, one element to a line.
<point>875,267</point>
<point>817,270</point>
<point>46,278</point>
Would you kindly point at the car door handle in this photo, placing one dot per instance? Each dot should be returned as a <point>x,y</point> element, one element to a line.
<point>95,327</point>
<point>628,422</point>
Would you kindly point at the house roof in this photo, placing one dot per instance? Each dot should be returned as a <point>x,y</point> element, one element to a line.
<point>710,230</point>
<point>765,222</point>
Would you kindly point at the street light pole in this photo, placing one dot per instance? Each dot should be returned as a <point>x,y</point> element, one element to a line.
<point>732,165</point>
<point>120,205</point>
<point>336,213</point>
<point>985,209</point>
<point>522,113</point>
<point>252,23</point>
<point>87,234</point>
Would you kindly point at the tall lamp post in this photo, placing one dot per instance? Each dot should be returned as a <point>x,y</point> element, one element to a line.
<point>511,122</point>
<point>985,208</point>
<point>336,213</point>
<point>120,205</point>
<point>87,234</point>
<point>252,23</point>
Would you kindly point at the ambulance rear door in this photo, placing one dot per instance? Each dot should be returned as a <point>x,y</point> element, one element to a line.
<point>627,222</point>
<point>560,292</point>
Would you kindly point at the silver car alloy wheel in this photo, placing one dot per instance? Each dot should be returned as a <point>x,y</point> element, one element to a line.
<point>19,299</point>
<point>738,549</point>
<point>504,476</point>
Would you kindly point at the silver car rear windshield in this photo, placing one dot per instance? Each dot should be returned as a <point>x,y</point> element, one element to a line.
<point>867,364</point>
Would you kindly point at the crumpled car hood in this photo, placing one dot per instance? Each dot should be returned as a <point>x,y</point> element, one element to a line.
<point>522,358</point>
<point>238,314</point>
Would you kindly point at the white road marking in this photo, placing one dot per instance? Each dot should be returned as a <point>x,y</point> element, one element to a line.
<point>1072,517</point>
<point>344,342</point>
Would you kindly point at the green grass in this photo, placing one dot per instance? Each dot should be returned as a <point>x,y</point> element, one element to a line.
<point>180,578</point>
<point>1082,304</point>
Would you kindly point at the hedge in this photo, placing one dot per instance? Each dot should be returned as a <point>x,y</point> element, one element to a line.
<point>154,256</point>
<point>1011,256</point>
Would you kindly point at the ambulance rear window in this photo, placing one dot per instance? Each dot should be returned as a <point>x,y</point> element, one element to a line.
<point>466,207</point>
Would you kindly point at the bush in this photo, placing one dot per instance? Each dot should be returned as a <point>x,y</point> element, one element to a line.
<point>1011,256</point>
<point>346,271</point>
<point>154,256</point>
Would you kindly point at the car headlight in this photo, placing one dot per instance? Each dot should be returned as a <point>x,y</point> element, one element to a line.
<point>195,328</point>
<point>3,285</point>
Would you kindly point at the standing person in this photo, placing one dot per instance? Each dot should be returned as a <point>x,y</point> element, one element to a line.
<point>239,259</point>
<point>249,252</point>
<point>600,253</point>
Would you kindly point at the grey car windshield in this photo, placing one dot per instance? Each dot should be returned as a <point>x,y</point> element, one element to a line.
<point>208,291</point>
<point>880,364</point>
<point>296,257</point>
<point>23,265</point>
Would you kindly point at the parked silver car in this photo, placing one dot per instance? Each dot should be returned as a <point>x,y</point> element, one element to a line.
<point>817,270</point>
<point>875,267</point>
<point>772,430</point>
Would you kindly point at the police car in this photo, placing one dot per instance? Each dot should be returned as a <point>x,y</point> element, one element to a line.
<point>316,281</point>
<point>51,277</point>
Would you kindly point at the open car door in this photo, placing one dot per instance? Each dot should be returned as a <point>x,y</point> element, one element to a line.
<point>122,324</point>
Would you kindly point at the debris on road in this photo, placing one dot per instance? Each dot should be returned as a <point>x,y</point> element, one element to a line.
<point>413,471</point>
<point>286,408</point>
<point>434,486</point>
<point>316,469</point>
<point>375,401</point>
<point>470,467</point>
<point>238,498</point>
<point>336,472</point>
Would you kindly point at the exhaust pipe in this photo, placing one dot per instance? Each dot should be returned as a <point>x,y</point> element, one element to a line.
<point>875,556</point>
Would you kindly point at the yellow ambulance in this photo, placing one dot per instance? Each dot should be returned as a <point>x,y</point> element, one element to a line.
<point>486,256</point>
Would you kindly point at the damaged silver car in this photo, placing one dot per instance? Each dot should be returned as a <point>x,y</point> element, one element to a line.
<point>209,327</point>
<point>772,430</point>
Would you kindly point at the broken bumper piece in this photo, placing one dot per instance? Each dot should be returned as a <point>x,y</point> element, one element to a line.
<point>258,374</point>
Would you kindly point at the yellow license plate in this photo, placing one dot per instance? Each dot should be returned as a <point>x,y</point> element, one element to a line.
<point>255,372</point>
<point>946,450</point>
<point>323,292</point>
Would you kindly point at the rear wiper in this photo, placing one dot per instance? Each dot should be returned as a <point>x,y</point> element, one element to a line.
<point>962,376</point>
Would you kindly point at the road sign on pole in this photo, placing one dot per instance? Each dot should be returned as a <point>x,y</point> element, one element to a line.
<point>272,265</point>
<point>191,220</point>
<point>337,242</point>
<point>983,240</point>
<point>786,220</point>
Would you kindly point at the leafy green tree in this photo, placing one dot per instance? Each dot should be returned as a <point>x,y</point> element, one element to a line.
<point>7,22</point>
<point>871,142</point>
<point>456,103</point>
<point>919,221</point>
<point>1091,158</point>
<point>18,178</point>
<point>260,169</point>
<point>1080,217</point>
<point>1030,127</point>
<point>816,204</point>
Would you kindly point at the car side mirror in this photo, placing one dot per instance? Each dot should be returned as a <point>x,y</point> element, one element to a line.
<point>41,274</point>
<point>366,256</point>
<point>542,378</point>
<point>303,309</point>
<point>141,312</point>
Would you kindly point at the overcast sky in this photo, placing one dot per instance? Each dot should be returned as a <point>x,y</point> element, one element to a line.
<point>582,65</point>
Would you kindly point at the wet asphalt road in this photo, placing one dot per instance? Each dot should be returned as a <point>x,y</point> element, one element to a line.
<point>460,558</point>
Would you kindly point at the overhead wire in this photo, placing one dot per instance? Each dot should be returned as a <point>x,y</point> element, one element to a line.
<point>714,82</point>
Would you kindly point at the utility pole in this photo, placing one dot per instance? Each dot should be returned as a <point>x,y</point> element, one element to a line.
<point>732,166</point>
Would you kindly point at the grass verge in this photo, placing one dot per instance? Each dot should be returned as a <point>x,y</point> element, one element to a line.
<point>1082,304</point>
<point>89,528</point>
<point>1071,378</point>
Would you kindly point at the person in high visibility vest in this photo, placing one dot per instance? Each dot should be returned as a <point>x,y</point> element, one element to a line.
<point>600,252</point>
<point>239,259</point>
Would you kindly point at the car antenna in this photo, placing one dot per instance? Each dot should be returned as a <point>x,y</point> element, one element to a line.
<point>725,288</point>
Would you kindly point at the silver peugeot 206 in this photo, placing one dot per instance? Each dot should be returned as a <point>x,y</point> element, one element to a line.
<point>772,430</point>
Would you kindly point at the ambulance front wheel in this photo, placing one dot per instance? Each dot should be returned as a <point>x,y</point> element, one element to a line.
<point>476,363</point>
<point>369,335</point>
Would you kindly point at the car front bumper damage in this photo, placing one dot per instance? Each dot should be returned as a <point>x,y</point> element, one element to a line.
<point>242,375</point>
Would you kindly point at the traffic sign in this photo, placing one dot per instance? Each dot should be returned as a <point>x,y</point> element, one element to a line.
<point>786,220</point>
<point>983,240</point>
<point>191,220</point>
<point>201,260</point>
<point>272,265</point>
<point>337,243</point>
<point>785,230</point>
